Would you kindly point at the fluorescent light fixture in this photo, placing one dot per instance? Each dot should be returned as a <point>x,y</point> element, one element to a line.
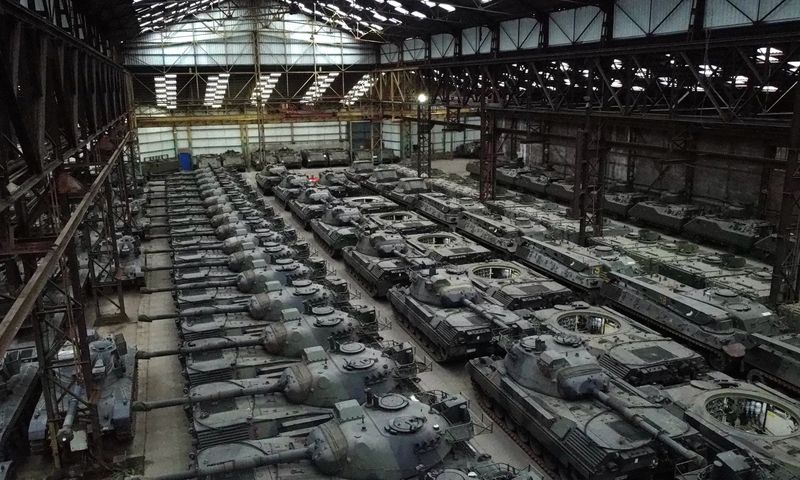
<point>447,7</point>
<point>401,10</point>
<point>418,14</point>
<point>379,16</point>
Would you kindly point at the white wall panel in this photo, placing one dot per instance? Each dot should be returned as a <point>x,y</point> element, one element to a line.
<point>391,135</point>
<point>574,26</point>
<point>476,40</point>
<point>390,53</point>
<point>519,34</point>
<point>639,18</point>
<point>735,13</point>
<point>413,49</point>
<point>443,45</point>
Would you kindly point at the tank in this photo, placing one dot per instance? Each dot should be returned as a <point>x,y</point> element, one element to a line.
<point>620,203</point>
<point>496,231</point>
<point>382,259</point>
<point>404,222</point>
<point>359,170</point>
<point>506,175</point>
<point>440,208</point>
<point>289,157</point>
<point>515,286</point>
<point>269,177</point>
<point>702,271</point>
<point>289,187</point>
<point>536,182</point>
<point>311,203</point>
<point>338,183</point>
<point>407,191</point>
<point>584,268</point>
<point>739,416</point>
<point>591,425</point>
<point>561,190</point>
<point>113,367</point>
<point>337,228</point>
<point>391,437</point>
<point>623,347</point>
<point>301,398</point>
<point>715,321</point>
<point>665,215</point>
<point>314,158</point>
<point>455,320</point>
<point>371,204</point>
<point>337,157</point>
<point>448,247</point>
<point>740,234</point>
<point>382,180</point>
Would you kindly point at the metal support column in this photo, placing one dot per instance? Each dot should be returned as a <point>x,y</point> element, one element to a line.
<point>424,127</point>
<point>488,152</point>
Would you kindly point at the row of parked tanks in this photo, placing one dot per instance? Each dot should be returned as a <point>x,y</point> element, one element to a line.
<point>730,226</point>
<point>321,157</point>
<point>286,375</point>
<point>589,390</point>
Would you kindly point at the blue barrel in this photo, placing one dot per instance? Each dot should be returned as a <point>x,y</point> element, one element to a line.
<point>185,160</point>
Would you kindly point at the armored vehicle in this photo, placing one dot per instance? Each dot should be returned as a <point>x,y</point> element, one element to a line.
<point>359,170</point>
<point>382,259</point>
<point>665,215</point>
<point>404,222</point>
<point>704,270</point>
<point>506,175</point>
<point>301,398</point>
<point>408,190</point>
<point>582,267</point>
<point>289,157</point>
<point>740,416</point>
<point>740,234</point>
<point>496,231</point>
<point>625,348</point>
<point>443,209</point>
<point>337,157</point>
<point>130,260</point>
<point>360,155</point>
<point>269,177</point>
<point>314,158</point>
<point>113,368</point>
<point>448,247</point>
<point>337,228</point>
<point>515,286</point>
<point>371,204</point>
<point>455,320</point>
<point>620,203</point>
<point>591,425</point>
<point>290,187</point>
<point>338,183</point>
<point>390,437</point>
<point>536,182</point>
<point>382,180</point>
<point>716,321</point>
<point>561,190</point>
<point>311,203</point>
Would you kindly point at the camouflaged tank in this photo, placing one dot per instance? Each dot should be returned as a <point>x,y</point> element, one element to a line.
<point>407,191</point>
<point>300,398</point>
<point>665,215</point>
<point>391,437</point>
<point>113,367</point>
<point>716,321</point>
<point>759,423</point>
<point>359,170</point>
<point>269,177</point>
<point>624,347</point>
<point>404,222</point>
<point>337,228</point>
<point>454,319</point>
<point>516,286</point>
<point>371,204</point>
<point>585,268</point>
<point>448,247</point>
<point>590,425</point>
<point>311,203</point>
<point>382,180</point>
<point>339,185</point>
<point>290,187</point>
<point>496,231</point>
<point>381,259</point>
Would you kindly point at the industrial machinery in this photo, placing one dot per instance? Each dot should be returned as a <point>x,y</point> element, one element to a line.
<point>382,259</point>
<point>515,286</point>
<point>451,315</point>
<point>404,222</point>
<point>337,228</point>
<point>591,425</point>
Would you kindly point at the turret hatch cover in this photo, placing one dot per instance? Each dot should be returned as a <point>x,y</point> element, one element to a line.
<point>392,401</point>
<point>405,424</point>
<point>352,348</point>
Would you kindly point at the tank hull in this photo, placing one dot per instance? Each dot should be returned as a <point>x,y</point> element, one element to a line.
<point>374,277</point>
<point>334,239</point>
<point>741,236</point>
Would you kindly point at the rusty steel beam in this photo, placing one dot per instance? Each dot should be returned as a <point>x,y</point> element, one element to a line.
<point>26,301</point>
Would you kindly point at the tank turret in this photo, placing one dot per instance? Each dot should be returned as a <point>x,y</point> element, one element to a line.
<point>269,177</point>
<point>548,383</point>
<point>447,308</point>
<point>310,204</point>
<point>381,180</point>
<point>407,191</point>
<point>359,170</point>
<point>404,222</point>
<point>515,286</point>
<point>339,185</point>
<point>448,247</point>
<point>370,204</point>
<point>337,228</point>
<point>290,187</point>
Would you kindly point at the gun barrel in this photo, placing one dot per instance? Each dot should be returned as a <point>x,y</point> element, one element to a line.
<point>193,286</point>
<point>196,312</point>
<point>286,456</point>
<point>211,397</point>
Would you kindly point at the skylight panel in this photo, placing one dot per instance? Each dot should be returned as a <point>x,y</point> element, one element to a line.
<point>167,91</point>
<point>359,90</point>
<point>264,87</point>
<point>216,87</point>
<point>321,84</point>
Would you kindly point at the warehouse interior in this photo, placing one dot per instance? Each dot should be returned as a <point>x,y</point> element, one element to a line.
<point>400,239</point>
